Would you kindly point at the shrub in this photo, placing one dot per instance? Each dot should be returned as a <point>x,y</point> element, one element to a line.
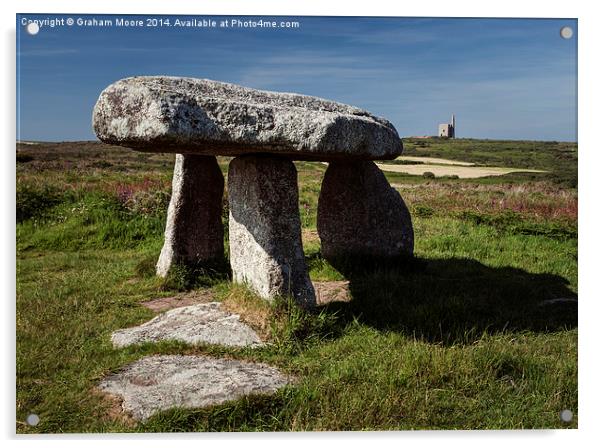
<point>149,203</point>
<point>85,220</point>
<point>423,211</point>
<point>514,223</point>
<point>147,198</point>
<point>102,164</point>
<point>33,201</point>
<point>23,158</point>
<point>428,175</point>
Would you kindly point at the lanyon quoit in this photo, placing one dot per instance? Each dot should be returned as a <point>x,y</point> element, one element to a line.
<point>359,213</point>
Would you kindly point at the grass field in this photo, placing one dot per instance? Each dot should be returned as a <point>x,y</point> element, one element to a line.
<point>460,338</point>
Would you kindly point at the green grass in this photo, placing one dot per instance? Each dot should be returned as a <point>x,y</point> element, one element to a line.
<point>558,158</point>
<point>456,339</point>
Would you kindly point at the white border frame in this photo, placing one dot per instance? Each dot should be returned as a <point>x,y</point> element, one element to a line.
<point>589,241</point>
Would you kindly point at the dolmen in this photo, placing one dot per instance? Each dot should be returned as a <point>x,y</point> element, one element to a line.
<point>359,213</point>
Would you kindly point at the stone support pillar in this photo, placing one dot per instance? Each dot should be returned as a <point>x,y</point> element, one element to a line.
<point>266,251</point>
<point>194,232</point>
<point>361,215</point>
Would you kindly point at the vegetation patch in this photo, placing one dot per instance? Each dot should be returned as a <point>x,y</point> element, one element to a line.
<point>456,338</point>
<point>35,201</point>
<point>513,223</point>
<point>558,159</point>
<point>183,277</point>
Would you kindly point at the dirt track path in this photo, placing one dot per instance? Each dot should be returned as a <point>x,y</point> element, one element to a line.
<point>435,160</point>
<point>463,172</point>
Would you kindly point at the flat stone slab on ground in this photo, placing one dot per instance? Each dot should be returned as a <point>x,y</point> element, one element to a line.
<point>200,116</point>
<point>158,383</point>
<point>202,323</point>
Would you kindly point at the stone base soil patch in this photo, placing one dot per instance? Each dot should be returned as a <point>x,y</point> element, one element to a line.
<point>188,298</point>
<point>332,291</point>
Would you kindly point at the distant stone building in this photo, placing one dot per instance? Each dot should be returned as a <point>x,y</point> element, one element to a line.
<point>448,130</point>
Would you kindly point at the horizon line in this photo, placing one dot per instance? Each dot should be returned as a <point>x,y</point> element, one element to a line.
<point>425,137</point>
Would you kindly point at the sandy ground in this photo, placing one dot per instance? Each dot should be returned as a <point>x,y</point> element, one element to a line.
<point>435,160</point>
<point>463,172</point>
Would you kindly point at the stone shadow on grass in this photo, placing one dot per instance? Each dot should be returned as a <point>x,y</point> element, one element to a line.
<point>453,300</point>
<point>185,277</point>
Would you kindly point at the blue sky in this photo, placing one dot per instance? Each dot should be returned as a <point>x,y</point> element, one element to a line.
<point>503,78</point>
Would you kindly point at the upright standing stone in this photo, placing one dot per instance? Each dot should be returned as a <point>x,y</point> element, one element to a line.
<point>360,214</point>
<point>266,251</point>
<point>194,231</point>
